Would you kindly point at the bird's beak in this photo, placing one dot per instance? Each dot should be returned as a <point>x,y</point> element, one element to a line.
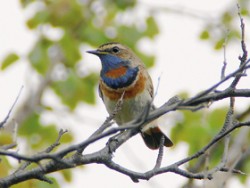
<point>95,52</point>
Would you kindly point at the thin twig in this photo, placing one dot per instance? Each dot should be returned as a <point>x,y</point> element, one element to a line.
<point>243,58</point>
<point>157,87</point>
<point>107,123</point>
<point>47,150</point>
<point>212,88</point>
<point>11,108</point>
<point>207,155</point>
<point>223,70</point>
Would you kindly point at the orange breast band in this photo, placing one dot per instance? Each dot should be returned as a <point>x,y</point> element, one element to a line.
<point>115,73</point>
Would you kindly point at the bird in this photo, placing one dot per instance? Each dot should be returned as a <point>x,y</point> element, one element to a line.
<point>123,74</point>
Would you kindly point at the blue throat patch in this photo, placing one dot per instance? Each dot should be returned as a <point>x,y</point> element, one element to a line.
<point>110,62</point>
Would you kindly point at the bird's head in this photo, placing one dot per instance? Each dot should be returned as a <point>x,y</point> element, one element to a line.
<point>114,55</point>
<point>119,64</point>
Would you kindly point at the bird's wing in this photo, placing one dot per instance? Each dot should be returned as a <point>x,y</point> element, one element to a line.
<point>100,92</point>
<point>150,86</point>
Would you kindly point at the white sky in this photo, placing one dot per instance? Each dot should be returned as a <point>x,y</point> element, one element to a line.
<point>183,62</point>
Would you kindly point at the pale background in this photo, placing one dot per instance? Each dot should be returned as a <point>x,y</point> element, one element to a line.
<point>183,63</point>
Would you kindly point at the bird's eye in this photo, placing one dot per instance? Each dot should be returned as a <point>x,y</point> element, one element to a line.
<point>115,49</point>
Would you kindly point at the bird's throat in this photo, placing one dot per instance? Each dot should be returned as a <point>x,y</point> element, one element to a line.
<point>120,77</point>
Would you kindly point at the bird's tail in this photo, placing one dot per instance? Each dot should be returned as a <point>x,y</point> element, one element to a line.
<point>152,138</point>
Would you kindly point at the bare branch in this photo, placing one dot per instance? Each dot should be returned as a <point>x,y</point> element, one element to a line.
<point>72,156</point>
<point>160,154</point>
<point>211,143</point>
<point>243,58</point>
<point>47,150</point>
<point>9,146</point>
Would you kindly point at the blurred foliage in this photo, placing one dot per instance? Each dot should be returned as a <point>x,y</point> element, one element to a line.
<point>56,60</point>
<point>39,57</point>
<point>67,175</point>
<point>5,167</point>
<point>6,138</point>
<point>77,88</point>
<point>223,28</point>
<point>9,60</point>
<point>39,135</point>
<point>90,23</point>
<point>195,126</point>
<point>197,129</point>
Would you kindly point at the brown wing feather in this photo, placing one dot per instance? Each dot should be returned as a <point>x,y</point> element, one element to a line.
<point>100,92</point>
<point>151,88</point>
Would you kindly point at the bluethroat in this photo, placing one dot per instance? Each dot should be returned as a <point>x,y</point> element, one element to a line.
<point>123,73</point>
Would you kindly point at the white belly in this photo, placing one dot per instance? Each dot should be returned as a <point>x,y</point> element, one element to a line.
<point>131,108</point>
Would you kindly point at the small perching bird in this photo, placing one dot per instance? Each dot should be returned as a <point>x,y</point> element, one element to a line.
<point>123,73</point>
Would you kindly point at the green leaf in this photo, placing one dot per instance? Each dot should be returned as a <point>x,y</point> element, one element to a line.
<point>25,3</point>
<point>70,49</point>
<point>219,44</point>
<point>37,134</point>
<point>204,35</point>
<point>30,125</point>
<point>244,166</point>
<point>39,18</point>
<point>128,35</point>
<point>227,18</point>
<point>41,184</point>
<point>146,59</point>
<point>216,118</point>
<point>5,167</point>
<point>88,86</point>
<point>39,57</point>
<point>67,175</point>
<point>49,132</point>
<point>234,34</point>
<point>9,60</point>
<point>193,125</point>
<point>92,35</point>
<point>197,133</point>
<point>6,138</point>
<point>67,138</point>
<point>75,89</point>
<point>66,14</point>
<point>121,4</point>
<point>188,129</point>
<point>152,27</point>
<point>244,11</point>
